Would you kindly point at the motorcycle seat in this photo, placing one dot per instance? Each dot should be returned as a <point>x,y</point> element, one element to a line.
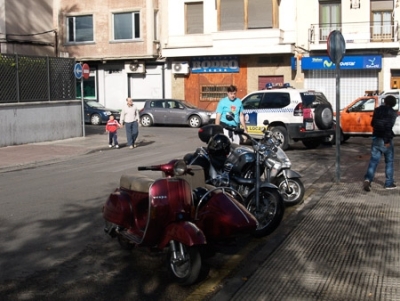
<point>140,183</point>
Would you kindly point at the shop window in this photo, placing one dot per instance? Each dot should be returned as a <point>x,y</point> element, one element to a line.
<point>381,20</point>
<point>329,18</point>
<point>194,17</point>
<point>244,14</point>
<point>80,29</point>
<point>212,93</point>
<point>126,26</point>
<point>89,88</point>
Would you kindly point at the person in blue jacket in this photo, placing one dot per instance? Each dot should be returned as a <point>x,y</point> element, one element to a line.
<point>231,105</point>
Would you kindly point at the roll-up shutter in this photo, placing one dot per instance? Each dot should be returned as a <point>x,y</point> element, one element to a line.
<point>353,84</point>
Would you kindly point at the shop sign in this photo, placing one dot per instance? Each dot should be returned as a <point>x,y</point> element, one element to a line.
<point>348,62</point>
<point>215,64</point>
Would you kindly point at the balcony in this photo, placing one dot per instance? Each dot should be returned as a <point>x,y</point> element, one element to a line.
<point>358,35</point>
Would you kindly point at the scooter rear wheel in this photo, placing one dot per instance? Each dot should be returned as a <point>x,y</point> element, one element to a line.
<point>184,267</point>
<point>270,212</point>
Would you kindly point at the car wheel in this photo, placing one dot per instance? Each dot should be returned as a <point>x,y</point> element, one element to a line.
<point>95,119</point>
<point>194,121</point>
<point>146,120</point>
<point>281,133</point>
<point>311,143</point>
<point>323,116</point>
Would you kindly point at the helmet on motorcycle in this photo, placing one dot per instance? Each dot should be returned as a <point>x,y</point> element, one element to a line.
<point>219,145</point>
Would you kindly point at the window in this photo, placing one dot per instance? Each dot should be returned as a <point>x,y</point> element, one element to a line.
<point>329,18</point>
<point>275,100</point>
<point>245,14</point>
<point>381,19</point>
<point>252,102</point>
<point>80,28</point>
<point>213,93</point>
<point>126,26</point>
<point>364,105</point>
<point>194,17</point>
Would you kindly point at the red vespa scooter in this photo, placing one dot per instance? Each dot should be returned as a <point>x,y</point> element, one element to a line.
<point>165,212</point>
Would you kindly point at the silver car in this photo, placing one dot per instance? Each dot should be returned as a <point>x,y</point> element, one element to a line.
<point>174,112</point>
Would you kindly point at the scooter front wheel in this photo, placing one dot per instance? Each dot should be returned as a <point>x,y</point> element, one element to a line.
<point>269,213</point>
<point>292,191</point>
<point>184,263</point>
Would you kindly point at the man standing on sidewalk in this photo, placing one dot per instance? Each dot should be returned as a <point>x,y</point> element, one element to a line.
<point>383,121</point>
<point>130,119</point>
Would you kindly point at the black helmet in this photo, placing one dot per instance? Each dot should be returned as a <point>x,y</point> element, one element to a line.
<point>219,145</point>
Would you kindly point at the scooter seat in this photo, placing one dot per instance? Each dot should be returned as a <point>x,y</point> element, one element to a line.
<point>140,183</point>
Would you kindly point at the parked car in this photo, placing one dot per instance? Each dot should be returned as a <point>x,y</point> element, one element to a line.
<point>356,117</point>
<point>293,114</point>
<point>96,113</point>
<point>173,111</point>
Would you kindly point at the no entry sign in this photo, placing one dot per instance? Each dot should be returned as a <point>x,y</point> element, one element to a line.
<point>85,71</point>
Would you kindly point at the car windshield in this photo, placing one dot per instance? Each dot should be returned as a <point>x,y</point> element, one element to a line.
<point>94,104</point>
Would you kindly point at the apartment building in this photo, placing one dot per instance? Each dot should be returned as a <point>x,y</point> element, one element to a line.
<point>213,43</point>
<point>119,40</point>
<point>371,34</point>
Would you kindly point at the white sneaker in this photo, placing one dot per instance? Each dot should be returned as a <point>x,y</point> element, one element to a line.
<point>110,145</point>
<point>117,146</point>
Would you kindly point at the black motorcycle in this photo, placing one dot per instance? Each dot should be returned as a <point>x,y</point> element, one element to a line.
<point>227,165</point>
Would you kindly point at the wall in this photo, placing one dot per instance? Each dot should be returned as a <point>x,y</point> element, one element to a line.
<point>39,122</point>
<point>28,17</point>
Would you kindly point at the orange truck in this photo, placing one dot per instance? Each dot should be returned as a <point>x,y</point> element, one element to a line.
<point>355,118</point>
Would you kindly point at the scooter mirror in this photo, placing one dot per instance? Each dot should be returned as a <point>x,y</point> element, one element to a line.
<point>229,116</point>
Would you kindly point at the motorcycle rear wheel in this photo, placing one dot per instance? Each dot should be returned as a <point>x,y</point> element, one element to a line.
<point>270,212</point>
<point>296,191</point>
<point>185,268</point>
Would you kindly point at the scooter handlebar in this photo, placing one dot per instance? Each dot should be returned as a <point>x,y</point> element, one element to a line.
<point>153,167</point>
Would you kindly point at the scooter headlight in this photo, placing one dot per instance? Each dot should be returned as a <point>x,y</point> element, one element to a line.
<point>180,168</point>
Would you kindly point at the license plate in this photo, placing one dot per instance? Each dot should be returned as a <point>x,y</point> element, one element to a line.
<point>309,126</point>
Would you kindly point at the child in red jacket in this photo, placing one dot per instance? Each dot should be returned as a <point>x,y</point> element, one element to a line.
<point>112,127</point>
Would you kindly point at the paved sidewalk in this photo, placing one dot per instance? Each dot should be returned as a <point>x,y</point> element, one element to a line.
<point>32,154</point>
<point>343,244</point>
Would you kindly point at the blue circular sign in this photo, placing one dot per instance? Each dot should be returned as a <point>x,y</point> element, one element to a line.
<point>78,70</point>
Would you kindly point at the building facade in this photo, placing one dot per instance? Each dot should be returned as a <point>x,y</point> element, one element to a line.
<point>250,43</point>
<point>119,40</point>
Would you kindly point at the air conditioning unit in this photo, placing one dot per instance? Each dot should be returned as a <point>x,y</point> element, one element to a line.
<point>135,67</point>
<point>180,67</point>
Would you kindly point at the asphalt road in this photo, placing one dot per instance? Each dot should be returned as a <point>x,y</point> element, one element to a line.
<point>53,244</point>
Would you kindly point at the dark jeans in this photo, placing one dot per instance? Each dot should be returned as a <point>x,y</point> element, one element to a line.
<point>377,149</point>
<point>112,137</point>
<point>132,132</point>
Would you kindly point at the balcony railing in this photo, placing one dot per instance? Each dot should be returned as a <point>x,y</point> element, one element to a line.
<point>362,32</point>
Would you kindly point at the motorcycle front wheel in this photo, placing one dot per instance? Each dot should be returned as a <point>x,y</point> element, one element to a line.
<point>184,264</point>
<point>292,192</point>
<point>269,213</point>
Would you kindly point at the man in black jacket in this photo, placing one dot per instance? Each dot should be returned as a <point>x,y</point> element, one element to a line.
<point>383,121</point>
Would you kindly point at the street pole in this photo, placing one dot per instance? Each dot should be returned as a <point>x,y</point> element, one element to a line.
<point>83,110</point>
<point>337,123</point>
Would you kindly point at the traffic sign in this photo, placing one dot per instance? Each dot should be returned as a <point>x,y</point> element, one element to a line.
<point>78,71</point>
<point>336,46</point>
<point>85,71</point>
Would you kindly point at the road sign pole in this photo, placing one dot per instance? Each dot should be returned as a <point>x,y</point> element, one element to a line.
<point>83,110</point>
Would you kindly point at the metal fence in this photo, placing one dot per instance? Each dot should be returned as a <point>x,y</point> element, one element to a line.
<point>32,79</point>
